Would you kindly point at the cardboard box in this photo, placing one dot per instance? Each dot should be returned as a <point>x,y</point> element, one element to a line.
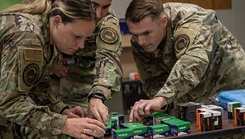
<point>157,131</point>
<point>125,133</point>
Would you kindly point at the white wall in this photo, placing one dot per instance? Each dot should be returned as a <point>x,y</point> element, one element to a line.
<point>233,18</point>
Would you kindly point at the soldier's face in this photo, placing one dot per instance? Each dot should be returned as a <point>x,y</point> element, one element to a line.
<point>102,8</point>
<point>148,32</point>
<point>69,37</point>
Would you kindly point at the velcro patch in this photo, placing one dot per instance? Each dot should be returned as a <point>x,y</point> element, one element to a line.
<point>31,74</point>
<point>109,35</point>
<point>181,42</point>
<point>33,54</point>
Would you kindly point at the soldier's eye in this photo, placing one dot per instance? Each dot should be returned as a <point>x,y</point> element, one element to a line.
<point>146,33</point>
<point>77,37</point>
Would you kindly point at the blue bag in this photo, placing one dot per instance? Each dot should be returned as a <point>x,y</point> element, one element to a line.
<point>224,97</point>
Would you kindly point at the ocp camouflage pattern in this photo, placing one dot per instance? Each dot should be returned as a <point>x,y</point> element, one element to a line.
<point>198,58</point>
<point>97,65</point>
<point>26,97</point>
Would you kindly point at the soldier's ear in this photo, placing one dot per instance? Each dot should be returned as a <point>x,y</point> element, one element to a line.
<point>164,20</point>
<point>57,20</point>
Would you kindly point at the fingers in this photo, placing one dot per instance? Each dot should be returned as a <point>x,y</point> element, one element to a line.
<point>71,115</point>
<point>134,115</point>
<point>103,113</point>
<point>148,110</point>
<point>92,133</point>
<point>131,116</point>
<point>85,136</point>
<point>96,126</point>
<point>83,128</point>
<point>94,122</point>
<point>105,118</point>
<point>80,111</point>
<point>76,112</point>
<point>98,110</point>
<point>84,114</point>
<point>97,116</point>
<point>140,109</point>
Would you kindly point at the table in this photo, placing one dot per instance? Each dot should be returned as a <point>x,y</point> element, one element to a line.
<point>228,128</point>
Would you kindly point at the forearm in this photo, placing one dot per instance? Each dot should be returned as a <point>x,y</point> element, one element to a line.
<point>27,114</point>
<point>109,76</point>
<point>44,95</point>
<point>183,78</point>
<point>52,122</point>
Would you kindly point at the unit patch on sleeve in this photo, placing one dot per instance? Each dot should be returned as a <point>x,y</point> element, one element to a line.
<point>31,74</point>
<point>109,35</point>
<point>181,42</point>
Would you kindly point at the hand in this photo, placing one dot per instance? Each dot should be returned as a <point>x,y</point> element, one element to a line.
<point>85,128</point>
<point>144,108</point>
<point>60,69</point>
<point>96,109</point>
<point>76,112</point>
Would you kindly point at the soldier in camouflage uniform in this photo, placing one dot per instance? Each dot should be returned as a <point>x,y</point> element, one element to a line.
<point>97,72</point>
<point>183,53</point>
<point>30,45</point>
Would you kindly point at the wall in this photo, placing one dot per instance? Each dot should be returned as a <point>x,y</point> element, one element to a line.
<point>234,20</point>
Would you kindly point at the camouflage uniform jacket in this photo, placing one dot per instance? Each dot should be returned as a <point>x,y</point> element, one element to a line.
<point>198,58</point>
<point>99,61</point>
<point>26,59</point>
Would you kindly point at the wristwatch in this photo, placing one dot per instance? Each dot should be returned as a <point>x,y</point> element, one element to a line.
<point>97,94</point>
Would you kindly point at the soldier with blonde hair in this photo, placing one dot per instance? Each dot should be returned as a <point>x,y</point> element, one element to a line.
<point>32,38</point>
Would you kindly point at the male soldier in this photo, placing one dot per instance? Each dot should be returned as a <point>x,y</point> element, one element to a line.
<point>183,53</point>
<point>97,72</point>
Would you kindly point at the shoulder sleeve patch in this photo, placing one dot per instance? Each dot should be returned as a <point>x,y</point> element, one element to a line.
<point>31,74</point>
<point>183,38</point>
<point>30,67</point>
<point>181,42</point>
<point>109,35</point>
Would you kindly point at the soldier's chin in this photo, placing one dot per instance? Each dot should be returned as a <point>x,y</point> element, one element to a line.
<point>148,49</point>
<point>68,52</point>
